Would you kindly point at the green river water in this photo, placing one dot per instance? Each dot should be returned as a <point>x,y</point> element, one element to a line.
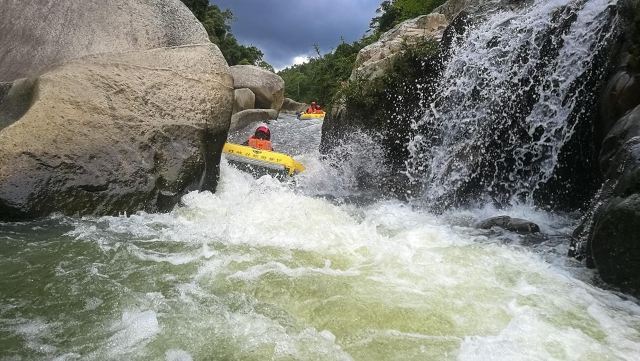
<point>266,270</point>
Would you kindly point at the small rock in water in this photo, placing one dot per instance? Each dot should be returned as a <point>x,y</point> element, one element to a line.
<point>517,225</point>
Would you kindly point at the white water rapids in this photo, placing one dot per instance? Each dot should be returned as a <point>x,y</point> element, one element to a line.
<point>264,270</point>
<point>318,269</point>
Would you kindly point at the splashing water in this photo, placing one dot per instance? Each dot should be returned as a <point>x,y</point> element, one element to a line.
<point>509,100</point>
<point>264,270</point>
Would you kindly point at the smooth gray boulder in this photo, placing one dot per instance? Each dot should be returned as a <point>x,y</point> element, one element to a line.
<point>243,99</point>
<point>116,133</point>
<point>246,117</point>
<point>516,225</point>
<point>267,86</point>
<point>292,106</point>
<point>35,35</point>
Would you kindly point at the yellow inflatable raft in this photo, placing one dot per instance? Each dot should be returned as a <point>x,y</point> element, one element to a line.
<point>311,115</point>
<point>278,162</point>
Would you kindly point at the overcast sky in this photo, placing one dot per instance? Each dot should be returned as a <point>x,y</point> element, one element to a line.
<point>287,29</point>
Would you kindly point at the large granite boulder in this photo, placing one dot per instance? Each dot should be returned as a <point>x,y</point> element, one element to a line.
<point>267,86</point>
<point>37,34</point>
<point>107,106</point>
<point>246,117</point>
<point>375,59</point>
<point>292,106</point>
<point>117,133</point>
<point>243,99</point>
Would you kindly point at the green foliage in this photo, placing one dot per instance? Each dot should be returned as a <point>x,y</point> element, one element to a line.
<point>217,23</point>
<point>393,12</point>
<point>321,77</point>
<point>376,105</point>
<point>363,95</point>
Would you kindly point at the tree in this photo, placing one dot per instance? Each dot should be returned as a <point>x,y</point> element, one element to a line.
<point>217,23</point>
<point>393,12</point>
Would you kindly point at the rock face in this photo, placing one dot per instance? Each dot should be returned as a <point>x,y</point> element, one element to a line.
<point>375,59</point>
<point>246,117</point>
<point>292,106</point>
<point>37,34</point>
<point>609,237</point>
<point>267,86</point>
<point>119,132</point>
<point>620,95</point>
<point>243,99</point>
<point>131,127</point>
<point>516,225</point>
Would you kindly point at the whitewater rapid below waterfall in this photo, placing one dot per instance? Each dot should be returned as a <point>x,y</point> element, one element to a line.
<point>266,270</point>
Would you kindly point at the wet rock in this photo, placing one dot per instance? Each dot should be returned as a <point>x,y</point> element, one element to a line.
<point>117,133</point>
<point>268,87</point>
<point>613,147</point>
<point>243,99</point>
<point>292,106</point>
<point>35,35</point>
<point>246,117</point>
<point>621,95</point>
<point>608,237</point>
<point>517,225</point>
<point>615,243</point>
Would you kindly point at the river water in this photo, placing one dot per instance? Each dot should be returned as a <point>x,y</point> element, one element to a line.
<point>304,270</point>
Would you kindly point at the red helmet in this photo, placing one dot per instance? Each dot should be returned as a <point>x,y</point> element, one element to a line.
<point>265,130</point>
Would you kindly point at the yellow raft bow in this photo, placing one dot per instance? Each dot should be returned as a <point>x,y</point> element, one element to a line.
<point>262,158</point>
<point>311,115</point>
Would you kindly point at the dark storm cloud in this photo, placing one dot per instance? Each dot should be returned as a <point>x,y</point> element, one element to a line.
<point>284,29</point>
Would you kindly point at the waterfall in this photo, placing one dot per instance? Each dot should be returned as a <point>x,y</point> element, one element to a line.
<point>511,96</point>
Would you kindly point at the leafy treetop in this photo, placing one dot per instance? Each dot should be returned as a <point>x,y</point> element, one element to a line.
<point>217,23</point>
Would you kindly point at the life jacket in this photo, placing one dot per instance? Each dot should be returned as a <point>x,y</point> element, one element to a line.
<point>310,110</point>
<point>260,144</point>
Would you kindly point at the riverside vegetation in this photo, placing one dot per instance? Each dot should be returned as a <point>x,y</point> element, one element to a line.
<point>323,76</point>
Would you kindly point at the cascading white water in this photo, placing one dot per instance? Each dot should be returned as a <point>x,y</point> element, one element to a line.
<point>509,100</point>
<point>267,270</point>
<point>270,270</point>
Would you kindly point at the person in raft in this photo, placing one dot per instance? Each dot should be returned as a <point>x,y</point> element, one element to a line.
<point>313,109</point>
<point>261,139</point>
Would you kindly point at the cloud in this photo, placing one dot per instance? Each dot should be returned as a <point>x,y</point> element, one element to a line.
<point>284,29</point>
<point>300,60</point>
